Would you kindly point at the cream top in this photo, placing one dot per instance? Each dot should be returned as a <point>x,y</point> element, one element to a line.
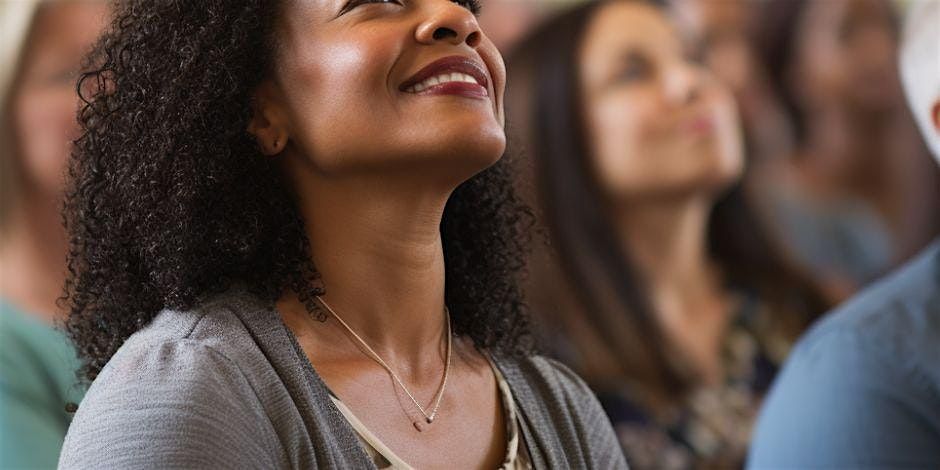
<point>517,457</point>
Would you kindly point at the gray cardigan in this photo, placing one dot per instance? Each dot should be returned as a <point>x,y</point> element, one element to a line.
<point>226,385</point>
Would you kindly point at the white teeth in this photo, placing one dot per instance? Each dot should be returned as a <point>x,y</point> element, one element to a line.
<point>439,79</point>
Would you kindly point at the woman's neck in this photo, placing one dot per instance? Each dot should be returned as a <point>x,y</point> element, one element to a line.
<point>377,246</point>
<point>668,242</point>
<point>33,249</point>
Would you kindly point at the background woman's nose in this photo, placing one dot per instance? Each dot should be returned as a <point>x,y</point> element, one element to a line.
<point>450,22</point>
<point>683,83</point>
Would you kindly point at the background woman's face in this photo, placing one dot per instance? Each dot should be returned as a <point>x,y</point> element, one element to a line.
<point>44,102</point>
<point>660,124</point>
<point>845,55</point>
<point>343,74</point>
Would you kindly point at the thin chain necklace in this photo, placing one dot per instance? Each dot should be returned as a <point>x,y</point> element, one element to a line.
<point>428,417</point>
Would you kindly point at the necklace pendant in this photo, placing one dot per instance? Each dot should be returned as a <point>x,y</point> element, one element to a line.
<point>418,425</point>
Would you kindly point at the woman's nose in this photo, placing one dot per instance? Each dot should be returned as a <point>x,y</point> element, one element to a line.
<point>447,21</point>
<point>683,84</point>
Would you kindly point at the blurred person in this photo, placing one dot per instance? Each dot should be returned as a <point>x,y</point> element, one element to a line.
<point>505,21</point>
<point>660,286</point>
<point>722,34</point>
<point>862,388</point>
<point>41,44</point>
<point>273,265</point>
<point>841,198</point>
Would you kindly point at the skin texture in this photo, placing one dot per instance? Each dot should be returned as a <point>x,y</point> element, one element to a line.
<point>666,142</point>
<point>43,106</point>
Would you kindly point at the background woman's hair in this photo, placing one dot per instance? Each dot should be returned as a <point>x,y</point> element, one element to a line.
<point>171,201</point>
<point>610,290</point>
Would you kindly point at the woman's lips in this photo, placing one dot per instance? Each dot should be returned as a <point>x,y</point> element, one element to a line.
<point>454,75</point>
<point>700,125</point>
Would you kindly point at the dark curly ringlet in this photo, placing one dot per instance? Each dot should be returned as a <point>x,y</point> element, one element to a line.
<point>170,200</point>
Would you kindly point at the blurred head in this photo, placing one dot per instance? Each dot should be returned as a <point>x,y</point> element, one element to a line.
<point>505,21</point>
<point>379,121</point>
<point>920,68</point>
<point>721,33</point>
<point>658,123</point>
<point>41,54</point>
<point>831,54</point>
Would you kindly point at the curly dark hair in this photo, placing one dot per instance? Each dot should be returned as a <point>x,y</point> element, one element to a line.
<point>169,199</point>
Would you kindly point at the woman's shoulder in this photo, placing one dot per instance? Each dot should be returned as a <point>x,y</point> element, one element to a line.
<point>216,320</point>
<point>548,376</point>
<point>180,391</point>
<point>205,343</point>
<point>561,412</point>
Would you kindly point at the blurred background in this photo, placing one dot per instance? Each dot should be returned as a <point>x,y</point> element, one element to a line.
<point>710,177</point>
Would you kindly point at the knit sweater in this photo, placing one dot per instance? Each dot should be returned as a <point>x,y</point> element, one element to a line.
<point>226,385</point>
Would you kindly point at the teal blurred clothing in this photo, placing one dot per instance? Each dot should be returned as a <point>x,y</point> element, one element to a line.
<point>37,379</point>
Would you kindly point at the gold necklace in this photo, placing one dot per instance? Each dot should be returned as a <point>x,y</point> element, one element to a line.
<point>428,417</point>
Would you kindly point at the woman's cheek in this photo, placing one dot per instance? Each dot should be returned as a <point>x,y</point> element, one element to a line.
<point>729,137</point>
<point>617,130</point>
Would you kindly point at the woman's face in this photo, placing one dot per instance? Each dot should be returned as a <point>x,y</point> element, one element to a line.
<point>44,102</point>
<point>660,125</point>
<point>372,85</point>
<point>845,55</point>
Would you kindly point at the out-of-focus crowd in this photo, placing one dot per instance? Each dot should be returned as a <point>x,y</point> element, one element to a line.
<point>710,177</point>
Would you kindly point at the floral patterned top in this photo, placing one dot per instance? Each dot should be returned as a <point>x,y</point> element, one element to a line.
<point>712,427</point>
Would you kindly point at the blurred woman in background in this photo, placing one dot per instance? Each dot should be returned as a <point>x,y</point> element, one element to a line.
<point>721,34</point>
<point>842,198</point>
<point>675,306</point>
<point>42,44</point>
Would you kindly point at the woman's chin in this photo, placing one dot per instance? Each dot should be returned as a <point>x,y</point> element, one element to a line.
<point>474,150</point>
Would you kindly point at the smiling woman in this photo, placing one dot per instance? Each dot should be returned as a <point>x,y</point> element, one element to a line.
<point>264,206</point>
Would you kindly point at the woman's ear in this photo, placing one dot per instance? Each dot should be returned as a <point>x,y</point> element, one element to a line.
<point>269,123</point>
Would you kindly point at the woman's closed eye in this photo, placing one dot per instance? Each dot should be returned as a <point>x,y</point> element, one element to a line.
<point>635,67</point>
<point>352,4</point>
<point>472,5</point>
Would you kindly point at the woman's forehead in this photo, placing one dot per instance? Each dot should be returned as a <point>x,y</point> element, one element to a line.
<point>626,25</point>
